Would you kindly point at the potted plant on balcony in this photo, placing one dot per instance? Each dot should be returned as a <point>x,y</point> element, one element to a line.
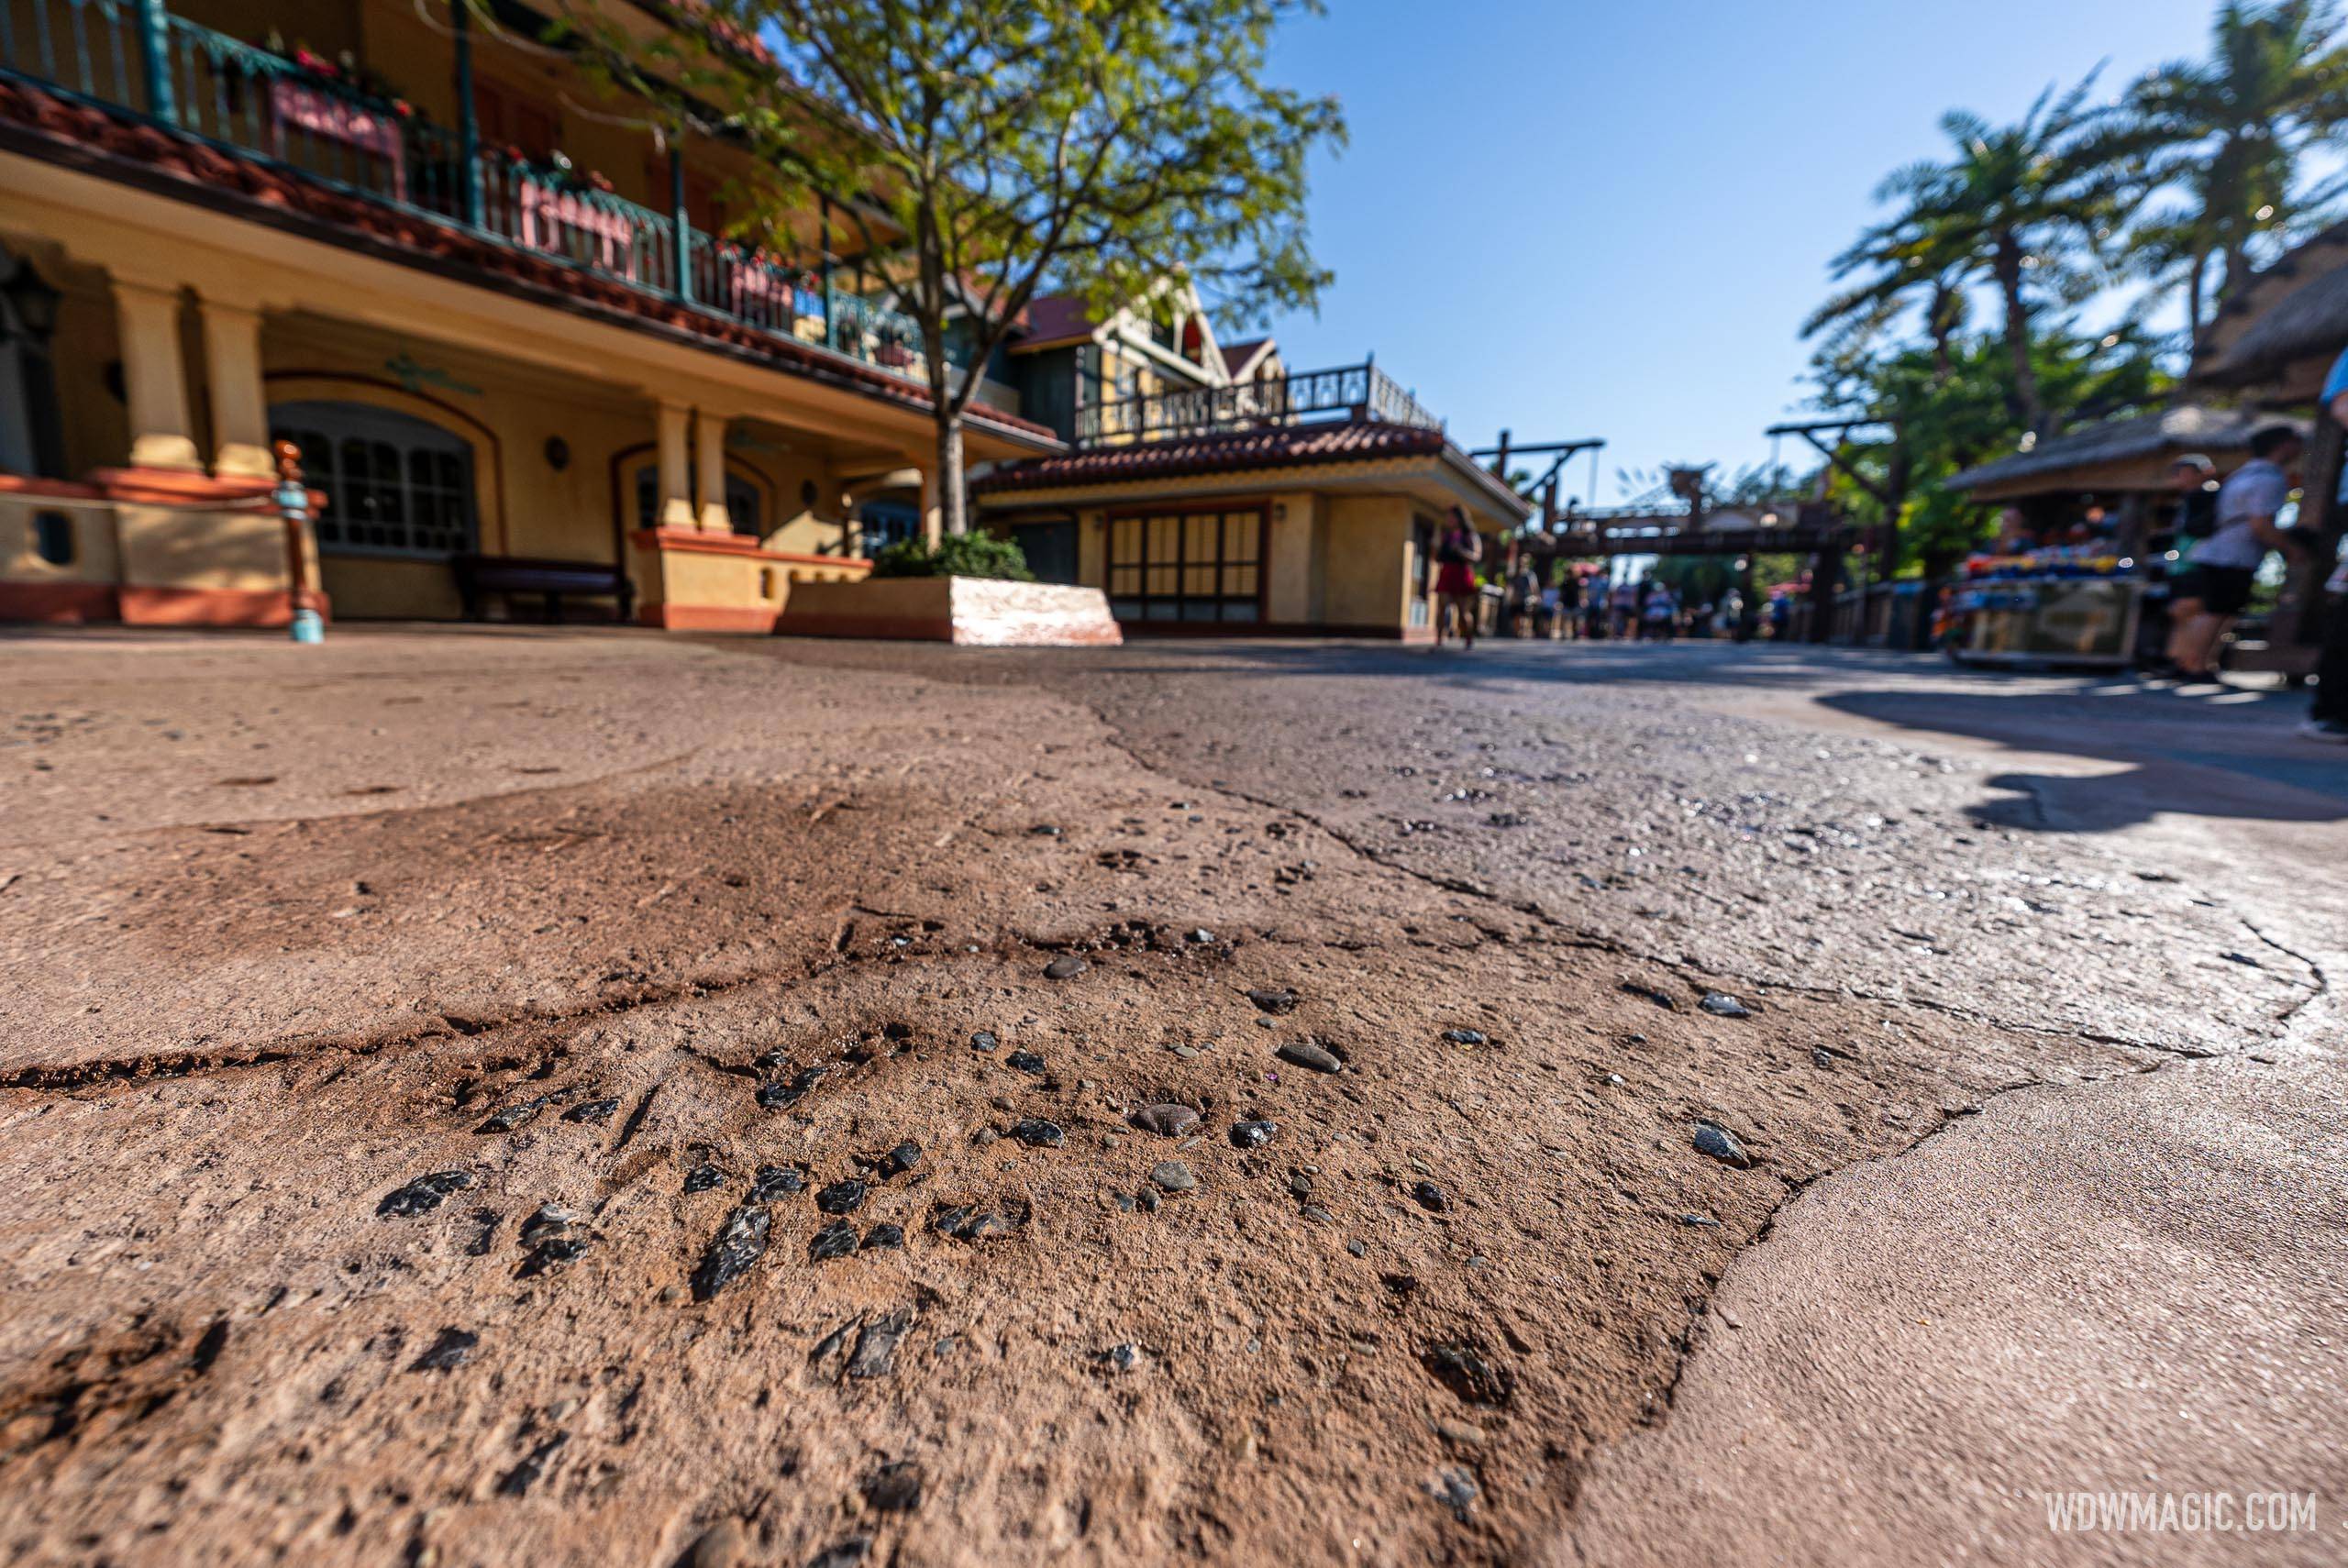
<point>894,348</point>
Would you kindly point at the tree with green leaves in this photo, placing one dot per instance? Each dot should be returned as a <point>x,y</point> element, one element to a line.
<point>1907,261</point>
<point>2231,133</point>
<point>1095,147</point>
<point>1955,414</point>
<point>2027,207</point>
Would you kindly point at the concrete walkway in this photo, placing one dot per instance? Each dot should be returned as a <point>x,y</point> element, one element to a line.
<point>2132,1287</point>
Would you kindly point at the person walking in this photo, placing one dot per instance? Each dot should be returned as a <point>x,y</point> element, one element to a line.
<point>1524,598</point>
<point>1623,607</point>
<point>1661,613</point>
<point>2193,482</point>
<point>1456,593</point>
<point>2215,587</point>
<point>1568,592</point>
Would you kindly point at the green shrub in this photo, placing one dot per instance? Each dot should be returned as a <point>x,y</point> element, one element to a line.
<point>958,555</point>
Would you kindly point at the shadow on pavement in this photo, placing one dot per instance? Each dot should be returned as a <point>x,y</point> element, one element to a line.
<point>2242,761</point>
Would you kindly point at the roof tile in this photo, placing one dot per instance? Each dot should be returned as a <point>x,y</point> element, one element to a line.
<point>1287,445</point>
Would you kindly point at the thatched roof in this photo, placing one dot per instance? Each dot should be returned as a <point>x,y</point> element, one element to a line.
<point>2116,453</point>
<point>2278,331</point>
<point>2308,322</point>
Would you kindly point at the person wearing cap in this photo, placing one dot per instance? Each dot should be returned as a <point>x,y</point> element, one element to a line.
<point>2193,479</point>
<point>2328,714</point>
<point>2215,586</point>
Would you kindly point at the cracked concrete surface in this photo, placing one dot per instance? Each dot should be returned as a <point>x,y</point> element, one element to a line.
<point>285,929</point>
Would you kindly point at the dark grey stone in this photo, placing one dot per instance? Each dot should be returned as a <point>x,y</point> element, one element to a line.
<point>1306,1054</point>
<point>1167,1120</point>
<point>1720,1144</point>
<point>423,1194</point>
<point>739,1242</point>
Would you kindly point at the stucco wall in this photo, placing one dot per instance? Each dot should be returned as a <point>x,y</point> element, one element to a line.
<point>1292,559</point>
<point>1367,557</point>
<point>94,558</point>
<point>527,506</point>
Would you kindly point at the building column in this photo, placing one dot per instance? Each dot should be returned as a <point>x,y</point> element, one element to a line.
<point>676,508</point>
<point>239,400</point>
<point>933,510</point>
<point>709,463</point>
<point>154,378</point>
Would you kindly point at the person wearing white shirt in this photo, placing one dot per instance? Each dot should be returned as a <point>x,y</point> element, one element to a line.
<point>2215,586</point>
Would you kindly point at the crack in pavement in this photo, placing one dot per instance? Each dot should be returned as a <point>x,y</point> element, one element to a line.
<point>116,1073</point>
<point>1692,1337</point>
<point>1586,939</point>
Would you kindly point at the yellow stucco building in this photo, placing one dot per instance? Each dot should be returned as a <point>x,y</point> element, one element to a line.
<point>527,354</point>
<point>1297,502</point>
<point>497,315</point>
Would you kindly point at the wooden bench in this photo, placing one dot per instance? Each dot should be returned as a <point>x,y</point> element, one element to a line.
<point>479,576</point>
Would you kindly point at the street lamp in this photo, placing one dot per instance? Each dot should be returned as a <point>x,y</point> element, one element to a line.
<point>31,300</point>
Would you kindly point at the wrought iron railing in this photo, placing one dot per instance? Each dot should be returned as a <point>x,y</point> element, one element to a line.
<point>132,57</point>
<point>1359,393</point>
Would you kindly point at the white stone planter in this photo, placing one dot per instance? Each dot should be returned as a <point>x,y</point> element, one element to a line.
<point>972,610</point>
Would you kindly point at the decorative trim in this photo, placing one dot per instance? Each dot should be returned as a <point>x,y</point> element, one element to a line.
<point>63,490</point>
<point>209,606</point>
<point>886,628</point>
<point>707,618</point>
<point>710,542</point>
<point>58,604</point>
<point>854,565</point>
<point>694,542</point>
<point>1277,629</point>
<point>175,487</point>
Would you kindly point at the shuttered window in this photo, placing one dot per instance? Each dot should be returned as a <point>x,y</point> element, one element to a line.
<point>1198,566</point>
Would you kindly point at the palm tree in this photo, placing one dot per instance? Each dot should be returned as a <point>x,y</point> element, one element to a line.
<point>2231,129</point>
<point>2021,206</point>
<point>1908,262</point>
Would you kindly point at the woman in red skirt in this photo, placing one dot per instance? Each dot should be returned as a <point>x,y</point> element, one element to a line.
<point>1455,557</point>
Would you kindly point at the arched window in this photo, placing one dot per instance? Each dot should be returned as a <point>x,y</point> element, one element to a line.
<point>741,502</point>
<point>395,485</point>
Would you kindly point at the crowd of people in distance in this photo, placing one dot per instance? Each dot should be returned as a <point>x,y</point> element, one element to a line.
<point>1555,599</point>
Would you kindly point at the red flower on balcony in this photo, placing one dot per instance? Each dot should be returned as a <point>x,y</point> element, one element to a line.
<point>317,64</point>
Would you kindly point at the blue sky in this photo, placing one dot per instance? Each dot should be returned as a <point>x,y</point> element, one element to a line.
<point>1610,220</point>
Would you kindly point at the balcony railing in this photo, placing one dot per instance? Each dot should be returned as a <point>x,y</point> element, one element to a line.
<point>1358,393</point>
<point>116,54</point>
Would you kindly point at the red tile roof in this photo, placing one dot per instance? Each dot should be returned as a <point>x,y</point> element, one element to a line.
<point>118,147</point>
<point>1056,318</point>
<point>1285,446</point>
<point>695,16</point>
